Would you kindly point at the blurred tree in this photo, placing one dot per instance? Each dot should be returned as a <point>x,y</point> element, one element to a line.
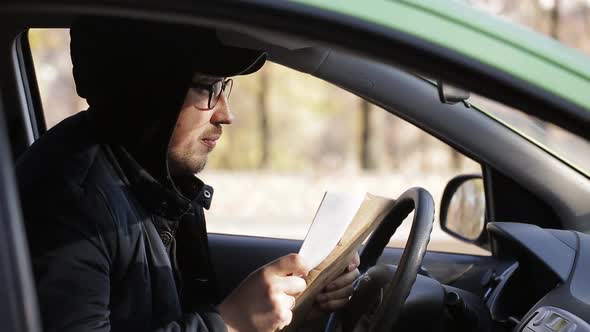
<point>392,140</point>
<point>554,20</point>
<point>265,133</point>
<point>367,159</point>
<point>554,26</point>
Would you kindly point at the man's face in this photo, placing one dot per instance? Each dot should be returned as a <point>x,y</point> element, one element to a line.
<point>197,131</point>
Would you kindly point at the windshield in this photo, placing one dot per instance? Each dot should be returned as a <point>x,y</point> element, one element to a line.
<point>572,149</point>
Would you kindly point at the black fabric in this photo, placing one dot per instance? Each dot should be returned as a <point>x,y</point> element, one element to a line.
<point>116,243</point>
<point>99,258</point>
<point>134,75</point>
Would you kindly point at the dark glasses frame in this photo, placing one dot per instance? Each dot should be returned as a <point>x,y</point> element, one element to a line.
<point>215,90</point>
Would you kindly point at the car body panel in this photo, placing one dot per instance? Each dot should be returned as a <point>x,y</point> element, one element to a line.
<point>507,47</point>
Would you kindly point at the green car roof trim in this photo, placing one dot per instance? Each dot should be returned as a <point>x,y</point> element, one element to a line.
<point>517,51</point>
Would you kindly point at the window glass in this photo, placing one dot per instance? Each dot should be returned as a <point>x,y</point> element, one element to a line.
<point>53,67</point>
<point>294,137</point>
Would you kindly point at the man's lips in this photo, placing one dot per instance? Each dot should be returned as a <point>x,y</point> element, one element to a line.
<point>210,141</point>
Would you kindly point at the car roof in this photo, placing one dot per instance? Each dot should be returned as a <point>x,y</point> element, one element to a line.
<point>513,49</point>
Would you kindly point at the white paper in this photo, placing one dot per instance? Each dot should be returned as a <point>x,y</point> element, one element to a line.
<point>335,213</point>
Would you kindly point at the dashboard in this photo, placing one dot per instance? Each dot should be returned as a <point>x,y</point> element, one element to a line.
<point>546,286</point>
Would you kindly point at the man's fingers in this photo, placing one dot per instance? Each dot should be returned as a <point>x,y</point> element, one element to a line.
<point>345,279</point>
<point>339,294</point>
<point>284,313</point>
<point>291,264</point>
<point>284,302</point>
<point>356,261</point>
<point>285,318</point>
<point>292,285</point>
<point>289,302</point>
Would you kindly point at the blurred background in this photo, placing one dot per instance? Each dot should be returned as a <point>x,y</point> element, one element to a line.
<point>296,136</point>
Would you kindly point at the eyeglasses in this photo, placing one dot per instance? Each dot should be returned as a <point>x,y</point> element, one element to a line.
<point>209,94</point>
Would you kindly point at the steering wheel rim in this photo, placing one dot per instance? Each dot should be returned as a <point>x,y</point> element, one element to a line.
<point>397,290</point>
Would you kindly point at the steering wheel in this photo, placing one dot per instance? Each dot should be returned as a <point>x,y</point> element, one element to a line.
<point>378,298</point>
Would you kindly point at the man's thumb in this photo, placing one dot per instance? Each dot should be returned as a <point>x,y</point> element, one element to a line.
<point>291,264</point>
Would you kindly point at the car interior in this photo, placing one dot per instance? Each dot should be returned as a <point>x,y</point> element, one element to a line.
<point>536,219</point>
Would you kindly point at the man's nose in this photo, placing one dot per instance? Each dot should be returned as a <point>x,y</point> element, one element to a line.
<point>222,113</point>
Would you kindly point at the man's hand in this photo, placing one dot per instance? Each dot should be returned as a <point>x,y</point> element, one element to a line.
<point>337,292</point>
<point>263,301</point>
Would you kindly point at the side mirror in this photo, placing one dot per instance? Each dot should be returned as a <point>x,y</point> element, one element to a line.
<point>462,208</point>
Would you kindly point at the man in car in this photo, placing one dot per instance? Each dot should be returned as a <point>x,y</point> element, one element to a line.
<point>113,210</point>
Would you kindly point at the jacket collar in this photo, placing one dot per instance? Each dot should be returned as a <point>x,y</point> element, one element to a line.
<point>170,202</point>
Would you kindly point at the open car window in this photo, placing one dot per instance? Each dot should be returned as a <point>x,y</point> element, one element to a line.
<point>294,137</point>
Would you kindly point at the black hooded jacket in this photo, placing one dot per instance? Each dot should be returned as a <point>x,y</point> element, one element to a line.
<point>116,243</point>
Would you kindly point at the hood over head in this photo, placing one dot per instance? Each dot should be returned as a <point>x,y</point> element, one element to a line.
<point>135,75</point>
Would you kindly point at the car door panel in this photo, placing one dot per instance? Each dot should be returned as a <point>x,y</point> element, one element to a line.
<point>235,257</point>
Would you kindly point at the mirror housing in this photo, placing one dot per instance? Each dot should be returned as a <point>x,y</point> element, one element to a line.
<point>449,94</point>
<point>462,209</point>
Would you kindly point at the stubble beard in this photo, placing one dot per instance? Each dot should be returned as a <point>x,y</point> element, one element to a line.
<point>186,164</point>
